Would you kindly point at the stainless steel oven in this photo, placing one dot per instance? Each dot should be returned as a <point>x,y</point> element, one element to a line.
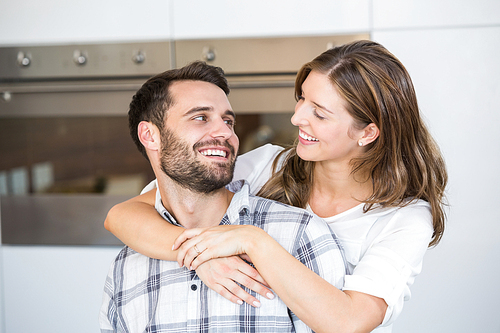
<point>65,153</point>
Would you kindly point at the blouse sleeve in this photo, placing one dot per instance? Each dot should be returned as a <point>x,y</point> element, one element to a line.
<point>391,257</point>
<point>256,166</point>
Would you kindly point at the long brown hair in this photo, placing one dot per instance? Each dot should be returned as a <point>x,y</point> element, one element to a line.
<point>404,163</point>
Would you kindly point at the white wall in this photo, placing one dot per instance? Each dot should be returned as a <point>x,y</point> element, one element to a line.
<point>451,49</point>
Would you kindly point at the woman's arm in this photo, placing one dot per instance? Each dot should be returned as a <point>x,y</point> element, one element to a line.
<point>137,223</point>
<point>320,305</point>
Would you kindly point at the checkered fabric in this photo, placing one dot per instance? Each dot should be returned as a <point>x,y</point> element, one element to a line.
<point>148,295</point>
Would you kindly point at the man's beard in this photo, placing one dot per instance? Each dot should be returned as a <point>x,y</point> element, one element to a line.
<point>180,163</point>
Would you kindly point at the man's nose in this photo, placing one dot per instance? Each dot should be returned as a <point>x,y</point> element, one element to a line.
<point>221,129</point>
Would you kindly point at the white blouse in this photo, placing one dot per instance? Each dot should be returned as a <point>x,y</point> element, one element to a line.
<point>384,247</point>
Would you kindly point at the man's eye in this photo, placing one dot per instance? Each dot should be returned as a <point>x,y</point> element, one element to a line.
<point>229,122</point>
<point>201,118</point>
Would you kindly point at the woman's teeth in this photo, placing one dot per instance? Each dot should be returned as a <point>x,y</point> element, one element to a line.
<point>307,137</point>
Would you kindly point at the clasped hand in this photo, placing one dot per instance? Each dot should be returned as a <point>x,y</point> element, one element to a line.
<point>217,255</point>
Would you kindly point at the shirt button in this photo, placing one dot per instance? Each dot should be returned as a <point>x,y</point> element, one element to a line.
<point>194,287</point>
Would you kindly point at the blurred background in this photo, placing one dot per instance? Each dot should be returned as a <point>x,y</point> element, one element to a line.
<point>68,70</point>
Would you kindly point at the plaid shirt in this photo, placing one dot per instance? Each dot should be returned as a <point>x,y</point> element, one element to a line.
<point>148,295</point>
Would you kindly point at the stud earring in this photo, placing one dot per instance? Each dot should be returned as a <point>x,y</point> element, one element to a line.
<point>360,143</point>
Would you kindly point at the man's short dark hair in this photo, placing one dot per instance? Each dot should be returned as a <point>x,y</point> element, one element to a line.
<point>151,102</point>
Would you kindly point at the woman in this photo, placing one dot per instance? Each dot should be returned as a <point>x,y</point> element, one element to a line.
<point>364,161</point>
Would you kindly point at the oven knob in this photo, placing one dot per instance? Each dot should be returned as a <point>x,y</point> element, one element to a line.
<point>208,54</point>
<point>6,96</point>
<point>23,59</point>
<point>79,57</point>
<point>139,57</point>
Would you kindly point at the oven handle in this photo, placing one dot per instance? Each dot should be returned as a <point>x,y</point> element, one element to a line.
<point>60,88</point>
<point>41,89</point>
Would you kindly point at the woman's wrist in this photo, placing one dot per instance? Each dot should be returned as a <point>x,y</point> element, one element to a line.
<point>256,241</point>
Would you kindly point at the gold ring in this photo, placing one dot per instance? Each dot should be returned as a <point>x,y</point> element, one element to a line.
<point>196,249</point>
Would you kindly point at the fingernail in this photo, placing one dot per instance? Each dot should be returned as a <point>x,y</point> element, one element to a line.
<point>240,302</point>
<point>256,304</point>
<point>172,247</point>
<point>270,295</point>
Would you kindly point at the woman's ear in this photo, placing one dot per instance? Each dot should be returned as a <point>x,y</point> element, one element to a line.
<point>370,134</point>
<point>149,135</point>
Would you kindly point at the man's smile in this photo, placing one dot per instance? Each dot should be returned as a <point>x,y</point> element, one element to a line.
<point>218,152</point>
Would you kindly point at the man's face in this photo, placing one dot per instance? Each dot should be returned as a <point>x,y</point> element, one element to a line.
<point>199,145</point>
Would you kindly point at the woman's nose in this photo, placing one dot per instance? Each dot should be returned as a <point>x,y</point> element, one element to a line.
<point>298,118</point>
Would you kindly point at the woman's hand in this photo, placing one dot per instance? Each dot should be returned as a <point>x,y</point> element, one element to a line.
<point>223,274</point>
<point>196,246</point>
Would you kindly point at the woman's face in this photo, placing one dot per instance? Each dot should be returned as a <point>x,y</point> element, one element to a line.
<point>326,131</point>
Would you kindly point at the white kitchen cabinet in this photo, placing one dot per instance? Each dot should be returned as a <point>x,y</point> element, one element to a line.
<point>61,21</point>
<point>455,72</point>
<point>262,18</point>
<point>51,289</point>
<point>389,14</point>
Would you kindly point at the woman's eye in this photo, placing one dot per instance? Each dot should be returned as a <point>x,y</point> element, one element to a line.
<point>300,98</point>
<point>317,115</point>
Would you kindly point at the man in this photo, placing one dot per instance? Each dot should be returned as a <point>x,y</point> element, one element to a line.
<point>182,121</point>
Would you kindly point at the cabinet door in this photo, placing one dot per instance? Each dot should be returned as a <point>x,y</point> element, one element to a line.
<point>260,18</point>
<point>61,21</point>
<point>455,72</point>
<point>389,14</point>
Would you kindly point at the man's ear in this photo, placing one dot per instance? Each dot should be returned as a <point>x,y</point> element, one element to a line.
<point>370,134</point>
<point>149,135</point>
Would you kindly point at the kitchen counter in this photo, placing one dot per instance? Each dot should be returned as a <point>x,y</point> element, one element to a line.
<point>69,219</point>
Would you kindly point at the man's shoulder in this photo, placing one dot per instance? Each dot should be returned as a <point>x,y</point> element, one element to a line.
<point>278,210</point>
<point>275,205</point>
<point>266,211</point>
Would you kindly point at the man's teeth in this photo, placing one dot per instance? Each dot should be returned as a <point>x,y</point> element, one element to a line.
<point>214,152</point>
<point>307,137</point>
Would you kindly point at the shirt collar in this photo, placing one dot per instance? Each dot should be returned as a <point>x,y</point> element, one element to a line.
<point>239,203</point>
